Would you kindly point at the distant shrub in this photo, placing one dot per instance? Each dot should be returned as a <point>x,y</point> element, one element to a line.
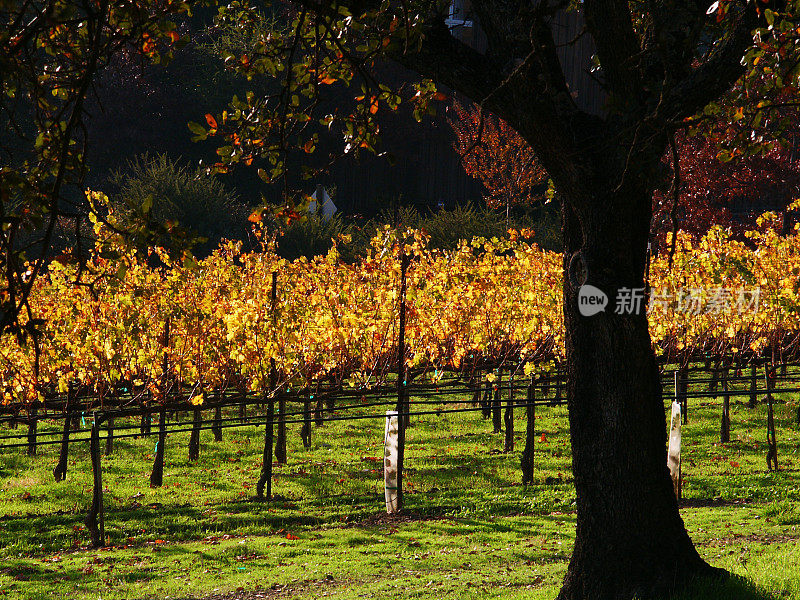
<point>195,201</point>
<point>312,236</point>
<point>448,227</point>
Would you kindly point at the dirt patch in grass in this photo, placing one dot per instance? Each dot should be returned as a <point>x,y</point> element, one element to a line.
<point>279,591</point>
<point>383,518</point>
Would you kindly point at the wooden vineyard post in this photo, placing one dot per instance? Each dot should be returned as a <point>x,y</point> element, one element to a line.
<point>280,442</point>
<point>753,385</point>
<point>157,476</point>
<point>266,460</point>
<point>527,453</point>
<point>32,424</point>
<point>683,392</point>
<point>545,378</point>
<point>508,417</point>
<point>60,470</point>
<point>714,379</point>
<point>390,461</point>
<point>145,424</point>
<point>194,438</point>
<point>330,401</point>
<point>725,422</point>
<point>265,480</point>
<point>402,405</point>
<point>216,425</point>
<point>95,521</point>
<point>772,444</point>
<point>305,430</point>
<point>496,402</point>
<point>674,450</point>
<point>486,404</point>
<point>557,397</point>
<point>319,407</point>
<point>475,386</point>
<point>110,436</point>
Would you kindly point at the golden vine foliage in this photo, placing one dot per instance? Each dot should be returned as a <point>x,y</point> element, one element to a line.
<point>123,325</point>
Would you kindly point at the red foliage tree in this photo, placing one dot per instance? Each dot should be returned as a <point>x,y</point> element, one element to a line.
<point>731,192</point>
<point>497,156</point>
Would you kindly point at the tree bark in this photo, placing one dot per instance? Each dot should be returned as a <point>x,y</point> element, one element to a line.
<point>630,539</point>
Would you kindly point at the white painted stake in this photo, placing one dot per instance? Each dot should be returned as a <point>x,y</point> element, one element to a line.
<point>390,461</point>
<point>674,452</point>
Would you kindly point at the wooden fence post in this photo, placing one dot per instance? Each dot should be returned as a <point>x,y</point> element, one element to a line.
<point>486,403</point>
<point>157,476</point>
<point>683,391</point>
<point>110,436</point>
<point>390,461</point>
<point>528,452</point>
<point>216,426</point>
<point>674,449</point>
<point>145,424</point>
<point>557,383</point>
<point>714,373</point>
<point>266,459</point>
<point>496,402</point>
<point>475,386</point>
<point>508,417</point>
<point>725,422</point>
<point>194,438</point>
<point>305,430</point>
<point>32,424</point>
<point>402,407</point>
<point>753,385</point>
<point>772,444</point>
<point>280,442</point>
<point>95,521</point>
<point>319,408</point>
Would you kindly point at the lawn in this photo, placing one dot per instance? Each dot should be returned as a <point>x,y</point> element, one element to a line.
<point>471,530</point>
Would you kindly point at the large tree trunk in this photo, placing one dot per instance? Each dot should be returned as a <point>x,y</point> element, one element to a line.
<point>630,540</point>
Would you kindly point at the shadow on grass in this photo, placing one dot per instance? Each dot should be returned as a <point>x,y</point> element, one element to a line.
<point>733,587</point>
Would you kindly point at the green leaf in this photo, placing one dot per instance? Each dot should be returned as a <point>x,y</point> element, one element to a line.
<point>147,204</point>
<point>198,130</point>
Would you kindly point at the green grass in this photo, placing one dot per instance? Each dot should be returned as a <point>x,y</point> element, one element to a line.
<point>472,531</point>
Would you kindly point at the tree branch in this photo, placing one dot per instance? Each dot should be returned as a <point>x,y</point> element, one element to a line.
<point>609,23</point>
<point>715,76</point>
